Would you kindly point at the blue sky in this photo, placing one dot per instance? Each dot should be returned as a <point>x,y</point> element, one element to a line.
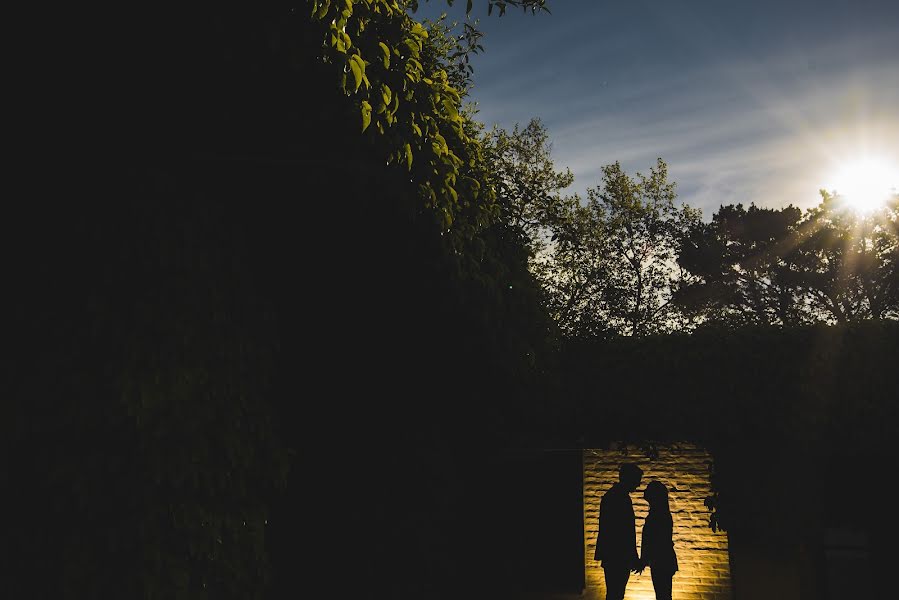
<point>748,101</point>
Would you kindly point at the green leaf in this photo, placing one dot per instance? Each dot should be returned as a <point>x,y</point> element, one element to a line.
<point>413,46</point>
<point>441,141</point>
<point>322,8</point>
<point>366,114</point>
<point>396,104</point>
<point>386,52</point>
<point>408,150</point>
<point>450,108</point>
<point>357,70</point>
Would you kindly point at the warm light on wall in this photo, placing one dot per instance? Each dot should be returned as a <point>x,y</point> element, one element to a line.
<point>638,594</point>
<point>704,567</point>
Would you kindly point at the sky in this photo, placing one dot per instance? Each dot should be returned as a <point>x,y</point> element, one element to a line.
<point>746,100</point>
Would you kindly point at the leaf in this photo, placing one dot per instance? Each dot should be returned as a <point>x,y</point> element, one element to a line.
<point>323,8</point>
<point>414,48</point>
<point>386,52</point>
<point>468,7</point>
<point>408,150</point>
<point>441,141</point>
<point>450,108</point>
<point>396,104</point>
<point>357,71</point>
<point>366,114</point>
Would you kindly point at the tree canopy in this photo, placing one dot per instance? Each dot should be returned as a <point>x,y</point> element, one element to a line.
<point>769,266</point>
<point>629,260</point>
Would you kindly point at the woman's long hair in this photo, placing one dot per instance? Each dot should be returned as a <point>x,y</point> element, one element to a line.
<point>657,495</point>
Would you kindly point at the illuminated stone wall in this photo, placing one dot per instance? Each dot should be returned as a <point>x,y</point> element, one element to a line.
<point>702,555</point>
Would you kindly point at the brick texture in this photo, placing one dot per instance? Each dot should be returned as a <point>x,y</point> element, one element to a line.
<point>701,553</point>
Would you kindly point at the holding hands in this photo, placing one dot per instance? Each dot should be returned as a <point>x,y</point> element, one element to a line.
<point>639,566</point>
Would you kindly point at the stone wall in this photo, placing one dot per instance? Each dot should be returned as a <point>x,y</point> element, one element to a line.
<point>701,553</point>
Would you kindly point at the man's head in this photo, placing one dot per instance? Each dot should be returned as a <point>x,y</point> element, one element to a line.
<point>630,475</point>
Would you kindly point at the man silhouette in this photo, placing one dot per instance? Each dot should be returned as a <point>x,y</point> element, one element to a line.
<point>616,539</point>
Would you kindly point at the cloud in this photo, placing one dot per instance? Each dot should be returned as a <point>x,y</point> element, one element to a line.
<point>764,129</point>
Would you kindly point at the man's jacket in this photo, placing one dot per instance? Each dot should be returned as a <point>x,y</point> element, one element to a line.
<point>616,540</point>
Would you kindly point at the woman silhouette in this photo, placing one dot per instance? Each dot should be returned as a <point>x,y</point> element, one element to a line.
<point>657,547</point>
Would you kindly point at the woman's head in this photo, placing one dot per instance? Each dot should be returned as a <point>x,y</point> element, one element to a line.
<point>656,493</point>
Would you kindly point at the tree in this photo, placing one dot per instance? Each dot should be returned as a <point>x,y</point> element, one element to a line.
<point>780,267</point>
<point>533,6</point>
<point>526,182</point>
<point>573,271</point>
<point>844,263</point>
<point>644,228</point>
<point>740,274</point>
<point>613,266</point>
<point>256,245</point>
<point>374,50</point>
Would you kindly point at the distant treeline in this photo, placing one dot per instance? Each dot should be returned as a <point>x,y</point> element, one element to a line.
<point>627,260</point>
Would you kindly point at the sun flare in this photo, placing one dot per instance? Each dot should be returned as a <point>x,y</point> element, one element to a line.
<point>865,184</point>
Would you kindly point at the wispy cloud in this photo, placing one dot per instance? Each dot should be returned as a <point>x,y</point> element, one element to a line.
<point>763,127</point>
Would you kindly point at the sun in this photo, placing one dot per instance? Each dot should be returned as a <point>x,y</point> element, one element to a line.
<point>865,184</point>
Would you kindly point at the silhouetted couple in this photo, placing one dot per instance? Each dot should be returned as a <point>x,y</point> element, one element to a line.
<point>616,541</point>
